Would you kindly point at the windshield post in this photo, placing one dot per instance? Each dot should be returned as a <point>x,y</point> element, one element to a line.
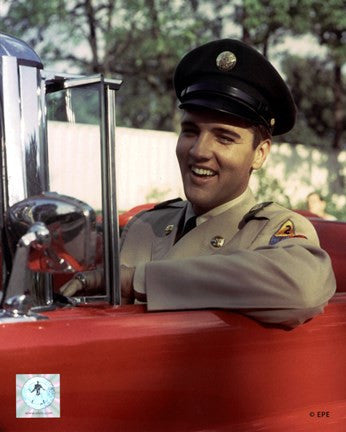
<point>112,254</point>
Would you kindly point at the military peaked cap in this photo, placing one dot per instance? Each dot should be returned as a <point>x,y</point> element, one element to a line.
<point>229,76</point>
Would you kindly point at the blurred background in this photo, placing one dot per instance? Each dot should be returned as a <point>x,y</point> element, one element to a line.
<point>141,41</point>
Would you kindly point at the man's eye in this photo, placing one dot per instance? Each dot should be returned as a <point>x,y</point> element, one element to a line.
<point>225,139</point>
<point>188,132</point>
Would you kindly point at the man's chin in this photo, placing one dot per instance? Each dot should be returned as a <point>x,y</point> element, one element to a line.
<point>203,203</point>
<point>199,205</point>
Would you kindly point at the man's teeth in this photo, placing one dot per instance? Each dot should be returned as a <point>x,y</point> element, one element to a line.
<point>202,171</point>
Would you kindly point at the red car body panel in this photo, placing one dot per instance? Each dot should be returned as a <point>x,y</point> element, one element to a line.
<point>332,235</point>
<point>125,217</point>
<point>123,369</point>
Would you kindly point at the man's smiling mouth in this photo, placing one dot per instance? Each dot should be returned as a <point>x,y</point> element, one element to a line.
<point>203,172</point>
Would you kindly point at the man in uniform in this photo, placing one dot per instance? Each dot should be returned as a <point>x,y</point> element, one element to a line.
<point>220,249</point>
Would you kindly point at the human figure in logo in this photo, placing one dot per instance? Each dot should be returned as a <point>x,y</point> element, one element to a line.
<point>38,388</point>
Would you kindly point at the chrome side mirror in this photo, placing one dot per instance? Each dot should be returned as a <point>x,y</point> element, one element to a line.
<point>47,233</point>
<point>70,245</point>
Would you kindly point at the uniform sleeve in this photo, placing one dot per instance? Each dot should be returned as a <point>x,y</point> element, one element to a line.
<point>282,279</point>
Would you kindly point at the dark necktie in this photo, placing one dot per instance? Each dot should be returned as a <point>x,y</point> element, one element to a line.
<point>190,224</point>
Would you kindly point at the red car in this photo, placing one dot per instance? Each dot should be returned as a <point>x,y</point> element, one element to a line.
<point>93,365</point>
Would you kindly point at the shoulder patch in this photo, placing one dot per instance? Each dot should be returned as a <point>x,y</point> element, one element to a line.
<point>167,203</point>
<point>286,230</point>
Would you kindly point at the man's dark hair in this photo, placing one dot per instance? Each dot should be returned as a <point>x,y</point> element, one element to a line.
<point>261,133</point>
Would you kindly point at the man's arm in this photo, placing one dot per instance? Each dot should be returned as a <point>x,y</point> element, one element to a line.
<point>285,285</point>
<point>287,282</point>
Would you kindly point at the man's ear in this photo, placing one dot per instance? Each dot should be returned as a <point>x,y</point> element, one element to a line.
<point>261,153</point>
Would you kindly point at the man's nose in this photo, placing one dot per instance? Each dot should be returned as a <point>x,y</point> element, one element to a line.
<point>201,148</point>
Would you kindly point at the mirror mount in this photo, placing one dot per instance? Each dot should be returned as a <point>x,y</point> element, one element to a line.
<point>17,302</point>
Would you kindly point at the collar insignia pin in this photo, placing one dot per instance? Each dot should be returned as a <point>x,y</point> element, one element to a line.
<point>217,241</point>
<point>169,229</point>
<point>226,61</point>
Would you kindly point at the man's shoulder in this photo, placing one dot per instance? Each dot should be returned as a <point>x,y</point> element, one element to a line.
<point>272,210</point>
<point>274,213</point>
<point>175,203</point>
<point>280,223</point>
<point>161,211</point>
<point>280,218</point>
<point>156,221</point>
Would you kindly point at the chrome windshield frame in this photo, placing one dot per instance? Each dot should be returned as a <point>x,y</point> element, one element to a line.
<point>107,89</point>
<point>24,151</point>
<point>111,227</point>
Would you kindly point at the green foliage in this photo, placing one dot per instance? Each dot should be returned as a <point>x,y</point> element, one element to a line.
<point>266,22</point>
<point>142,40</point>
<point>76,105</point>
<point>310,80</point>
<point>270,189</point>
<point>327,22</point>
<point>138,40</point>
<point>31,18</point>
<point>334,208</point>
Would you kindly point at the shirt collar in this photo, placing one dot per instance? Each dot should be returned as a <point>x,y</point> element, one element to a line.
<point>215,211</point>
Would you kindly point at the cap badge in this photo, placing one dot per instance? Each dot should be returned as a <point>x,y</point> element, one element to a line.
<point>226,61</point>
<point>217,241</point>
<point>169,229</point>
<point>272,122</point>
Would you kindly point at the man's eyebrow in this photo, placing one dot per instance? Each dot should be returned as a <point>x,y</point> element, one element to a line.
<point>188,123</point>
<point>226,131</point>
<point>230,132</point>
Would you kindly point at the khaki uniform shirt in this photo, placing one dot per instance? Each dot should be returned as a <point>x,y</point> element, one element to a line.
<point>263,261</point>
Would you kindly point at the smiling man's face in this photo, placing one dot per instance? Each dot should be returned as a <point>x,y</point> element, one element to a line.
<point>216,156</point>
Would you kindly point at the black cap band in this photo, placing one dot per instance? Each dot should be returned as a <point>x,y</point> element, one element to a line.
<point>260,108</point>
